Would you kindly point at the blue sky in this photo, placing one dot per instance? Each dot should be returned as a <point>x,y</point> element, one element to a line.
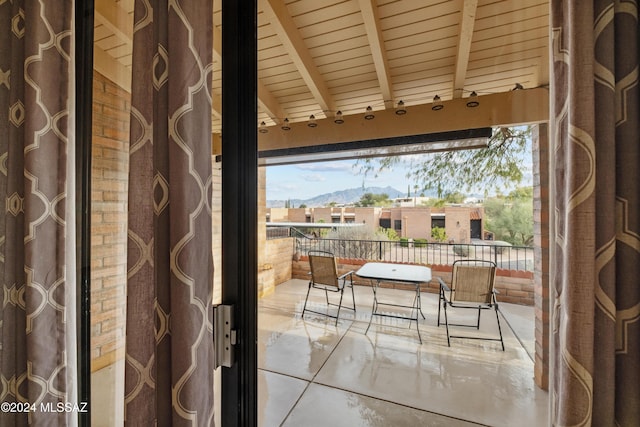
<point>304,181</point>
<point>307,180</point>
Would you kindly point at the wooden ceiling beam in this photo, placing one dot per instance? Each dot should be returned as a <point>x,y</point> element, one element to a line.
<point>277,15</point>
<point>269,104</point>
<point>116,19</point>
<point>217,45</point>
<point>369,12</point>
<point>266,101</point>
<point>467,22</point>
<point>106,65</point>
<point>511,108</point>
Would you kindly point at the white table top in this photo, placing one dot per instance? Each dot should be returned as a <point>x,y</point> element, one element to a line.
<point>395,272</point>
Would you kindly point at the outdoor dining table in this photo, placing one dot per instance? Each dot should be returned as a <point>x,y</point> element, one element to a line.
<point>379,272</point>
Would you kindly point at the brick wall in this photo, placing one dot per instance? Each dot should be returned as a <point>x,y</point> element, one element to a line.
<point>216,230</point>
<point>109,174</point>
<point>265,270</point>
<point>541,208</point>
<point>279,253</point>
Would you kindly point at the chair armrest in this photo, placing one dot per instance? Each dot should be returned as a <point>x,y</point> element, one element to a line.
<point>443,285</point>
<point>347,274</point>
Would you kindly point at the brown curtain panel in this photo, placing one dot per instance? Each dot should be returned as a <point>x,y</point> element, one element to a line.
<point>596,132</point>
<point>37,215</point>
<point>169,348</point>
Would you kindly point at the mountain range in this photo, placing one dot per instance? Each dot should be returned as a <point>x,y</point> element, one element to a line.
<point>342,197</point>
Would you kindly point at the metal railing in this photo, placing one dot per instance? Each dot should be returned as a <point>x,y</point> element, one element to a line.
<point>418,252</point>
<point>278,232</point>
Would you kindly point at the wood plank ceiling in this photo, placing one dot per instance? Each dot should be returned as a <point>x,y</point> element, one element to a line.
<point>318,57</point>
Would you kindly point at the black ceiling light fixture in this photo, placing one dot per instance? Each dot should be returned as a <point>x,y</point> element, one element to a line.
<point>437,105</point>
<point>368,115</point>
<point>312,121</point>
<point>473,100</point>
<point>285,125</point>
<point>400,110</point>
<point>263,127</point>
<point>338,119</point>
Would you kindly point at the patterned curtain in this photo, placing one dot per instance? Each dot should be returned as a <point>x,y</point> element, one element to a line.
<point>595,111</point>
<point>37,217</point>
<point>169,360</point>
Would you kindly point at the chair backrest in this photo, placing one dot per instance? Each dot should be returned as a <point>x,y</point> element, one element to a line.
<point>324,270</point>
<point>473,281</point>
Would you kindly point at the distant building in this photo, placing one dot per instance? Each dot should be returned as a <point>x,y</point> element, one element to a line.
<point>410,201</point>
<point>461,223</point>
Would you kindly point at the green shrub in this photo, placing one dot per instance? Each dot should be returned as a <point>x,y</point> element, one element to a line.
<point>389,232</point>
<point>421,243</point>
<point>438,234</point>
<point>404,242</point>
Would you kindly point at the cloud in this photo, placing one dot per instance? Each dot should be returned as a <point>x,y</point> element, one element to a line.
<point>343,166</point>
<point>284,187</point>
<point>314,177</point>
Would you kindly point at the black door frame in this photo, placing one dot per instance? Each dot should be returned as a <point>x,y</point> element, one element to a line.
<point>239,201</point>
<point>240,206</point>
<point>83,56</point>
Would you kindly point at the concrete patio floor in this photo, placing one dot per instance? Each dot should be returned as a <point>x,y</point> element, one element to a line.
<point>314,373</point>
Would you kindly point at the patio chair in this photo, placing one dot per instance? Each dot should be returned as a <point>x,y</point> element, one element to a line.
<point>472,287</point>
<point>324,276</point>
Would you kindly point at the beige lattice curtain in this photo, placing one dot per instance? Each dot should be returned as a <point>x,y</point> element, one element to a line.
<point>37,215</point>
<point>596,131</point>
<point>169,349</point>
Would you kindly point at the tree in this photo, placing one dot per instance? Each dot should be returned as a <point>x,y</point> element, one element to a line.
<point>455,197</point>
<point>500,163</point>
<point>439,234</point>
<point>370,199</point>
<point>511,217</point>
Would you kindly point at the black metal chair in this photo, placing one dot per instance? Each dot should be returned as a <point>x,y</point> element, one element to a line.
<point>324,276</point>
<point>472,287</point>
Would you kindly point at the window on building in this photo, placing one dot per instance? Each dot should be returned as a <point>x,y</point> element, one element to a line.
<point>437,222</point>
<point>385,222</point>
<point>397,224</point>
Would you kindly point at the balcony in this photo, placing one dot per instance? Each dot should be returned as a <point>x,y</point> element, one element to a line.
<point>286,251</point>
<point>314,373</point>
